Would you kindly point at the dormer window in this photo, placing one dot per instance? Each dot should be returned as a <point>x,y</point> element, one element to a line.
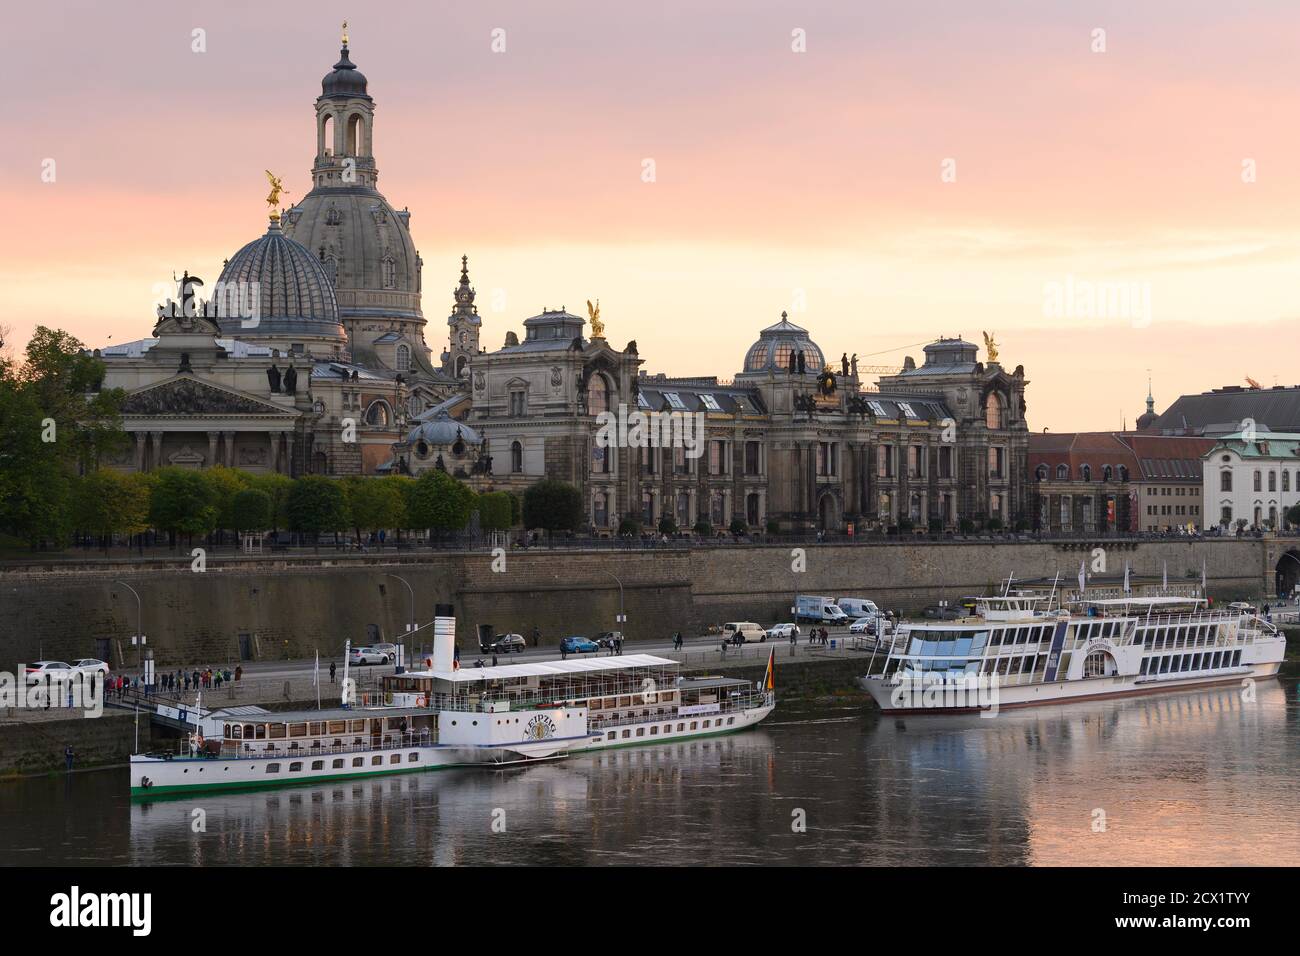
<point>877,409</point>
<point>710,403</point>
<point>906,409</point>
<point>675,400</point>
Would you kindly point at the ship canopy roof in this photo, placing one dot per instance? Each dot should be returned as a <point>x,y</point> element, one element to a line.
<point>547,669</point>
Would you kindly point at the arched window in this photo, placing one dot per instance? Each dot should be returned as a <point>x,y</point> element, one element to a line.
<point>1123,472</point>
<point>1286,480</point>
<point>993,411</point>
<point>403,358</point>
<point>516,457</point>
<point>1272,481</point>
<point>1062,472</point>
<point>414,405</point>
<point>1107,473</point>
<point>597,395</point>
<point>1040,473</point>
<point>390,273</point>
<point>332,270</point>
<point>356,142</point>
<point>1225,481</point>
<point>1259,482</point>
<point>378,414</point>
<point>600,510</point>
<point>647,508</point>
<point>1085,472</point>
<point>325,142</point>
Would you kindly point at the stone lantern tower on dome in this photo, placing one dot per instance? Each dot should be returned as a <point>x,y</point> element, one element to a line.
<point>363,244</point>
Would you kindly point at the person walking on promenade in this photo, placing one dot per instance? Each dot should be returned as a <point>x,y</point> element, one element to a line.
<point>68,756</point>
<point>239,672</point>
<point>187,683</point>
<point>537,636</point>
<point>331,672</point>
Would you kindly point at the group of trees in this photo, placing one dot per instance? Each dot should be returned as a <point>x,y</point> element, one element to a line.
<point>54,424</point>
<point>182,502</point>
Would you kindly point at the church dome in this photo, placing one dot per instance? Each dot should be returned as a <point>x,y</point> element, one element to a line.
<point>775,345</point>
<point>345,80</point>
<point>441,431</point>
<point>285,284</point>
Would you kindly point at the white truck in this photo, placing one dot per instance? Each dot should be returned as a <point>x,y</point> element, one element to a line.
<point>858,607</point>
<point>821,610</point>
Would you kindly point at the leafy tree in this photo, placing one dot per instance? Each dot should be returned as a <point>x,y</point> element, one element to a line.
<point>995,524</point>
<point>1293,514</point>
<point>223,485</point>
<point>249,510</point>
<point>180,503</point>
<point>495,511</point>
<point>630,526</point>
<point>375,503</point>
<point>667,525</point>
<point>106,503</point>
<point>405,486</point>
<point>553,505</point>
<point>276,487</point>
<point>317,504</point>
<point>703,528</point>
<point>738,526</point>
<point>440,503</point>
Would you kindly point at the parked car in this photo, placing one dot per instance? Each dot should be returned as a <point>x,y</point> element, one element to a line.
<point>45,667</point>
<point>867,625</point>
<point>389,649</point>
<point>782,632</point>
<point>505,644</point>
<point>578,645</point>
<point>368,655</point>
<point>942,612</point>
<point>743,632</point>
<point>90,665</point>
<point>606,639</point>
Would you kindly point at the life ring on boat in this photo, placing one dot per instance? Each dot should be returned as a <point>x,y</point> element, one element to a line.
<point>421,701</point>
<point>146,783</point>
<point>200,741</point>
<point>194,745</point>
<point>365,700</point>
<point>428,663</point>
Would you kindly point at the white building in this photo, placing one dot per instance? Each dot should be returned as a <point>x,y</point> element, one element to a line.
<point>1251,477</point>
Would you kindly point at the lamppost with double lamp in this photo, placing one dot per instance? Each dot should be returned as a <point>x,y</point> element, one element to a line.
<point>411,623</point>
<point>139,627</point>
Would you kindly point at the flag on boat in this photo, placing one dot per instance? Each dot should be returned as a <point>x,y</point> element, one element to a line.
<point>769,679</point>
<point>315,674</point>
<point>1164,576</point>
<point>1083,579</point>
<point>1126,584</point>
<point>455,657</point>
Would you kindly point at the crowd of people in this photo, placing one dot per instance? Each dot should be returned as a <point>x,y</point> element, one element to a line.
<point>173,682</point>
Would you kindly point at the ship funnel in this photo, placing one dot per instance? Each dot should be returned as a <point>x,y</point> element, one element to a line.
<point>444,637</point>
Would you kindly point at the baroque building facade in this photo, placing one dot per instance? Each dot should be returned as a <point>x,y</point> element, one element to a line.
<point>310,357</point>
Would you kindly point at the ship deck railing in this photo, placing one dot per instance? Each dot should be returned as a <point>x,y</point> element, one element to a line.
<point>243,749</point>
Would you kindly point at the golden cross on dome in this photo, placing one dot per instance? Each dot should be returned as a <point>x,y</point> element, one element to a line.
<point>345,33</point>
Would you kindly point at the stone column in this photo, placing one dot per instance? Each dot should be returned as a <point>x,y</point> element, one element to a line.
<point>139,450</point>
<point>275,450</point>
<point>288,453</point>
<point>230,448</point>
<point>212,450</point>
<point>156,440</point>
<point>762,508</point>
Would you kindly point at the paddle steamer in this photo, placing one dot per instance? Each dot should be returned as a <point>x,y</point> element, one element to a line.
<point>1012,653</point>
<point>443,715</point>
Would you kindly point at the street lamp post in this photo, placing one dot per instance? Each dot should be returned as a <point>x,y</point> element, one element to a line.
<point>139,626</point>
<point>411,622</point>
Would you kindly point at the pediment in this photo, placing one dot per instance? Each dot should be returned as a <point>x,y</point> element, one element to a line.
<point>185,395</point>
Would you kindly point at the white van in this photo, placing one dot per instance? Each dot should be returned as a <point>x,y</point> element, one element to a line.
<point>811,607</point>
<point>743,632</point>
<point>858,607</point>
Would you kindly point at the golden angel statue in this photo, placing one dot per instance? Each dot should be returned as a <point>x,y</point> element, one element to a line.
<point>597,326</point>
<point>991,347</point>
<point>273,200</point>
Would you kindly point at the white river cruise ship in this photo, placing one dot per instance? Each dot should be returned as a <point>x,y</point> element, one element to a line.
<point>448,716</point>
<point>1012,653</point>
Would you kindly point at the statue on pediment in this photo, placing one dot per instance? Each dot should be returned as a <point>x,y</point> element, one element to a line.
<point>188,316</point>
<point>290,380</point>
<point>273,377</point>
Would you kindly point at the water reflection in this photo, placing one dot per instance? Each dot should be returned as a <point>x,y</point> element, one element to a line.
<point>1196,778</point>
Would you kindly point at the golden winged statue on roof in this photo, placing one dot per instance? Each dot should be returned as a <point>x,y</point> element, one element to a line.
<point>991,347</point>
<point>273,200</point>
<point>597,326</point>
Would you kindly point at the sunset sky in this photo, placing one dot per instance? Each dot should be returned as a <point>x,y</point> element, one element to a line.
<point>809,182</point>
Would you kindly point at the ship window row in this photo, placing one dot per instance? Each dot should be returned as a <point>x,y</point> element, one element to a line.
<point>1181,635</point>
<point>1111,630</point>
<point>1178,663</point>
<point>1021,635</point>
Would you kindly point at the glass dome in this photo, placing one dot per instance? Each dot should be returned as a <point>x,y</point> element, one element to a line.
<point>777,343</point>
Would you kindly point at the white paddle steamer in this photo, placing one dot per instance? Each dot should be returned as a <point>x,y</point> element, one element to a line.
<point>447,716</point>
<point>1011,653</point>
